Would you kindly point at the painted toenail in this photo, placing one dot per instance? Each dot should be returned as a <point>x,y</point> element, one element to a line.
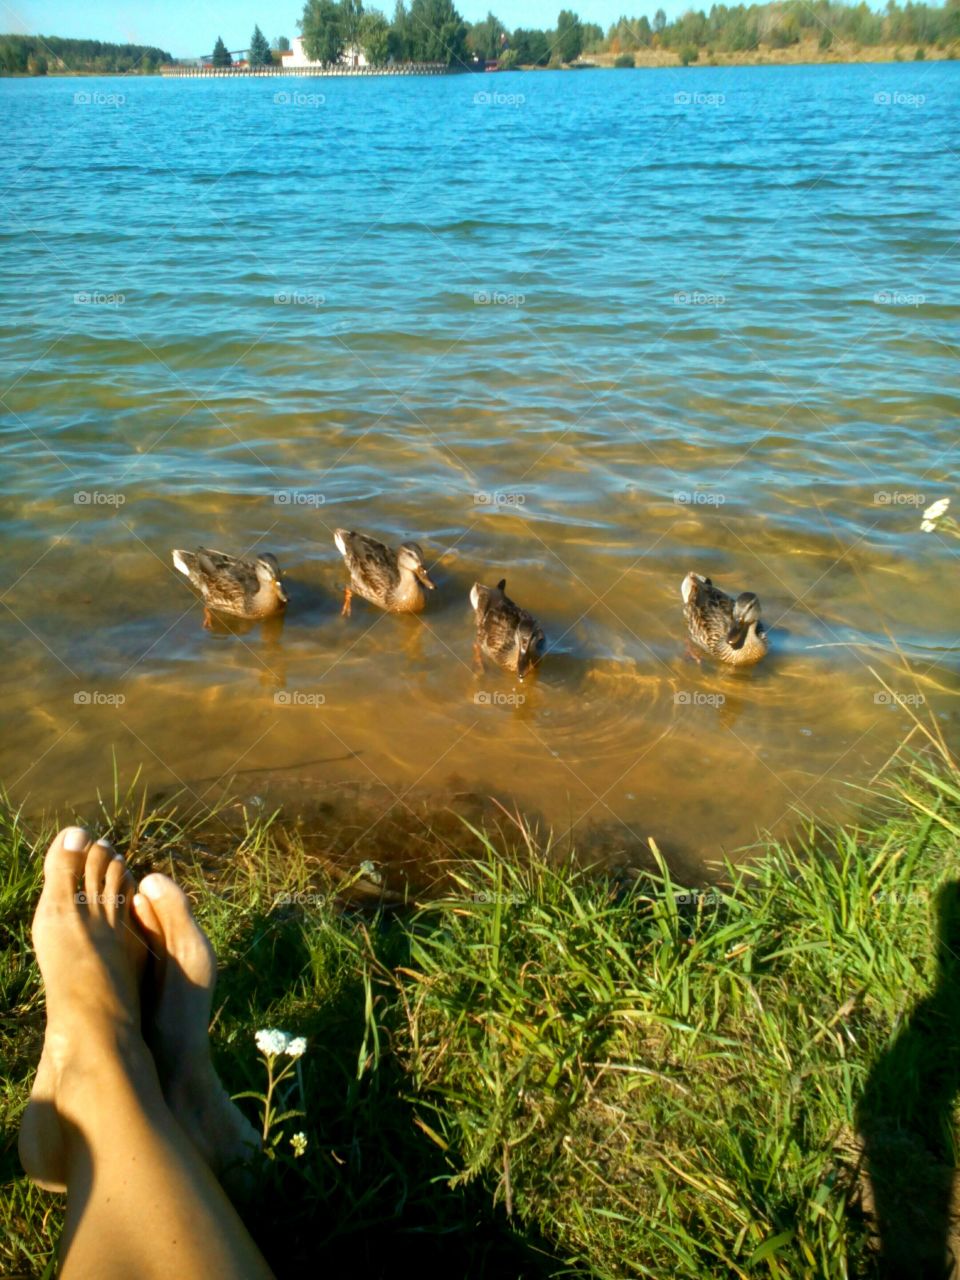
<point>75,839</point>
<point>153,887</point>
<point>104,843</point>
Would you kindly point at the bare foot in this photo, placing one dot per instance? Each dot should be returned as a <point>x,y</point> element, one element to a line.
<point>91,955</point>
<point>178,995</point>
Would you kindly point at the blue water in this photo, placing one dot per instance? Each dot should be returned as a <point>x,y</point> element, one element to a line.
<point>657,320</point>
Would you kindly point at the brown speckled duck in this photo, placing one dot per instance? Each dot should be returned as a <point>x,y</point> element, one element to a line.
<point>729,630</point>
<point>506,633</point>
<point>244,586</point>
<point>387,578</point>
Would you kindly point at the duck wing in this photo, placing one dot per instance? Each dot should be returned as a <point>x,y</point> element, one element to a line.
<point>228,581</point>
<point>372,564</point>
<point>500,619</point>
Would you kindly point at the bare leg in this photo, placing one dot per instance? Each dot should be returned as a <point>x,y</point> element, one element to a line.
<point>181,974</point>
<point>478,667</point>
<point>347,597</point>
<point>140,1201</point>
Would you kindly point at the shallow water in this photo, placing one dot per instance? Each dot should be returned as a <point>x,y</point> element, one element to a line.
<point>586,340</point>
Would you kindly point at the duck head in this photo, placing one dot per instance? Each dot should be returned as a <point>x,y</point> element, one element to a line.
<point>410,557</point>
<point>268,575</point>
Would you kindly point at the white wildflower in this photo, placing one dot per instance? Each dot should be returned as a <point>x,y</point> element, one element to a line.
<point>299,1144</point>
<point>936,509</point>
<point>296,1047</point>
<point>928,526</point>
<point>369,869</point>
<point>273,1042</point>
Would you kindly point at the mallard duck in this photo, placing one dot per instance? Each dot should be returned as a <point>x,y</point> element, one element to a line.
<point>387,578</point>
<point>246,586</point>
<point>506,633</point>
<point>727,629</point>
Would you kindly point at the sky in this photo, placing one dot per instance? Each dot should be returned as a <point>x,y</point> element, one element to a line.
<point>186,28</point>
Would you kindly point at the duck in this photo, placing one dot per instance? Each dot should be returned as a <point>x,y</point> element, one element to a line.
<point>729,630</point>
<point>384,577</point>
<point>245,586</point>
<point>507,634</point>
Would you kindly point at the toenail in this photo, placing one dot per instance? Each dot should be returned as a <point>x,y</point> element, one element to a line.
<point>153,887</point>
<point>104,843</point>
<point>75,839</point>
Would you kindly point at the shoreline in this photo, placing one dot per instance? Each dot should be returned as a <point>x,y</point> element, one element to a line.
<point>703,1062</point>
<point>801,55</point>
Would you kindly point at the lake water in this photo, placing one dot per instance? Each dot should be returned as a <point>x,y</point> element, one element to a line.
<point>586,332</point>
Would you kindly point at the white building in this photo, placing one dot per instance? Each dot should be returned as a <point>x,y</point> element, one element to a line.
<point>296,57</point>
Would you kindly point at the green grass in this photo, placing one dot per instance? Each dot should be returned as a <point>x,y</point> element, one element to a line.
<point>547,1072</point>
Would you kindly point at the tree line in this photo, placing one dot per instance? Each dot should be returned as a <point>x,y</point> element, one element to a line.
<point>38,54</point>
<point>740,28</point>
<point>434,31</point>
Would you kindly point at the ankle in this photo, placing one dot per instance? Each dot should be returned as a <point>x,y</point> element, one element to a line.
<point>89,1071</point>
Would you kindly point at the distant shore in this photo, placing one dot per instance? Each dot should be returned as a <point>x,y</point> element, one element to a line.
<point>804,54</point>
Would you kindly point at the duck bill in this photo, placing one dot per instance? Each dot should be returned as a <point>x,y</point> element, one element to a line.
<point>737,633</point>
<point>281,594</point>
<point>422,575</point>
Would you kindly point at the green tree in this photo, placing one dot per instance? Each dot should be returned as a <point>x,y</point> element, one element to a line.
<point>375,38</point>
<point>401,34</point>
<point>531,48</point>
<point>281,44</point>
<point>687,54</point>
<point>659,21</point>
<point>351,18</point>
<point>485,38</point>
<point>569,36</point>
<point>221,55</point>
<point>625,60</point>
<point>259,54</point>
<point>322,29</point>
<point>508,60</point>
<point>438,33</point>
